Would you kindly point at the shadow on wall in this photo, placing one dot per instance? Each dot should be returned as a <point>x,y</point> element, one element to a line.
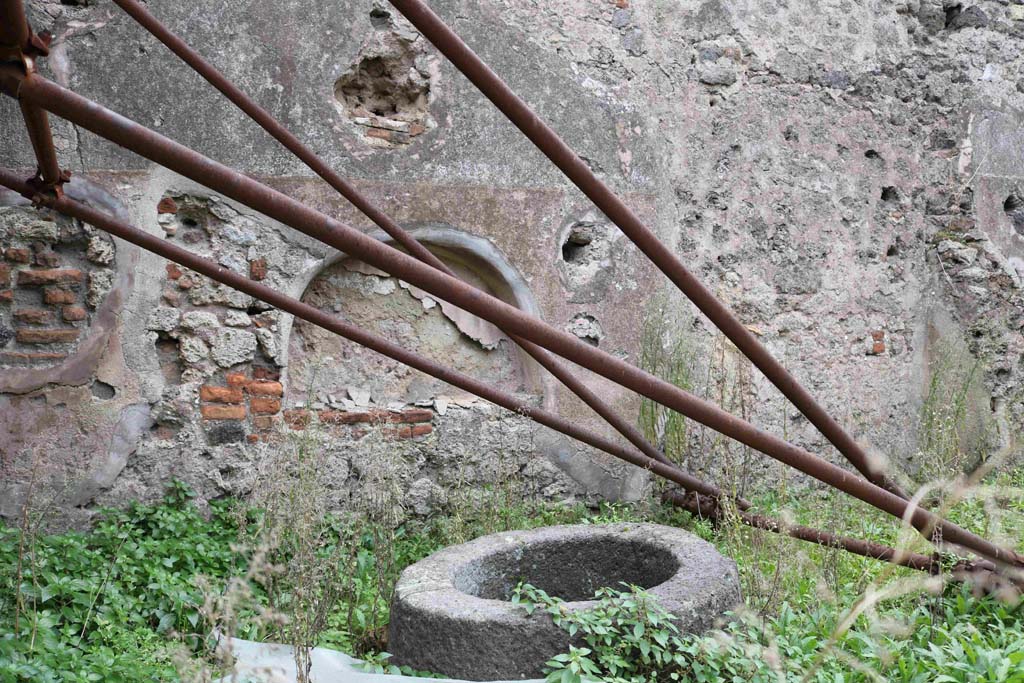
<point>326,369</point>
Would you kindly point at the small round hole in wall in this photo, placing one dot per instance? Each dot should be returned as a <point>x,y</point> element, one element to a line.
<point>1013,207</point>
<point>102,390</point>
<point>575,246</point>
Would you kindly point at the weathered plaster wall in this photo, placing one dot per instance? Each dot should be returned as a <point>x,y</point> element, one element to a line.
<point>847,175</point>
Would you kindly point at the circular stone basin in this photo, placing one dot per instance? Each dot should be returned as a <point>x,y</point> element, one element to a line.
<point>452,612</point>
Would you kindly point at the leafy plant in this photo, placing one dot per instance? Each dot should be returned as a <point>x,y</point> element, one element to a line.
<point>627,636</point>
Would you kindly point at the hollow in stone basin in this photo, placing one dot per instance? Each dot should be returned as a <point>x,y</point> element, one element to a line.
<point>452,615</point>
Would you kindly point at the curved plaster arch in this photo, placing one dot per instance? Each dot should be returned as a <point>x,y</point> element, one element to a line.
<point>473,252</point>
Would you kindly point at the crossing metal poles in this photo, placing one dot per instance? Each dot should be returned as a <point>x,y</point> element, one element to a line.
<point>548,142</point>
<point>290,141</point>
<point>261,198</point>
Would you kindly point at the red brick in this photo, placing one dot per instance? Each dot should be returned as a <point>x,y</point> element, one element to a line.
<point>341,417</point>
<point>409,431</point>
<point>236,379</point>
<point>380,133</point>
<point>9,357</point>
<point>166,205</point>
<point>297,418</point>
<point>50,277</point>
<point>18,255</point>
<point>219,412</point>
<point>265,406</point>
<point>412,415</point>
<point>173,271</point>
<point>73,313</point>
<point>48,259</point>
<point>263,372</point>
<point>264,422</point>
<point>5,273</point>
<point>416,129</point>
<point>877,343</point>
<point>264,388</point>
<point>33,316</point>
<point>252,438</point>
<point>185,282</point>
<point>163,433</point>
<point>6,295</point>
<point>171,297</point>
<point>56,295</point>
<point>46,336</point>
<point>220,394</point>
<point>258,268</point>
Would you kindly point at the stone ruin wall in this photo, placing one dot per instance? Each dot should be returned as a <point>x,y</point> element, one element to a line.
<point>848,176</point>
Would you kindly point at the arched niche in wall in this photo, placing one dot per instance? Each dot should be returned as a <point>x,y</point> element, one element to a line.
<point>325,368</point>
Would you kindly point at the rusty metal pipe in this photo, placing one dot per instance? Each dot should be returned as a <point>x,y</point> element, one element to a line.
<point>346,329</point>
<point>18,45</point>
<point>38,126</point>
<point>279,132</point>
<point>14,29</point>
<point>548,142</point>
<point>259,197</point>
<point>876,551</point>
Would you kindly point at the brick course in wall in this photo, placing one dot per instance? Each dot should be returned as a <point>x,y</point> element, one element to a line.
<point>255,394</point>
<point>51,279</point>
<point>412,422</point>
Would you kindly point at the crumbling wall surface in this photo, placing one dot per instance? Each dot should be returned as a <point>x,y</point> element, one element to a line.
<point>848,176</point>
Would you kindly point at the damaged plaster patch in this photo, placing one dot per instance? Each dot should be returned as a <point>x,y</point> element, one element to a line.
<point>477,329</point>
<point>387,91</point>
<point>586,264</point>
<point>586,327</point>
<point>396,312</point>
<point>135,420</point>
<point>480,331</point>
